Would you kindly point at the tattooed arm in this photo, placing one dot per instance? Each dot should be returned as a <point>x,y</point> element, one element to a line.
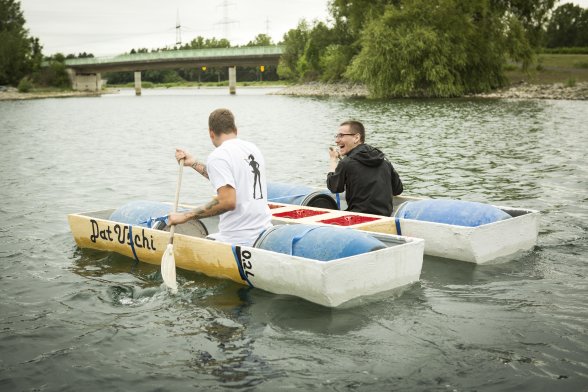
<point>200,168</point>
<point>189,160</point>
<point>225,200</point>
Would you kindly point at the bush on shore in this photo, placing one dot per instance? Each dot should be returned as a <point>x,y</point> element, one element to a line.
<point>25,85</point>
<point>575,50</point>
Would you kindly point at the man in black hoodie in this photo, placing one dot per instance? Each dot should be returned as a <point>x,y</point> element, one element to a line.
<point>362,171</point>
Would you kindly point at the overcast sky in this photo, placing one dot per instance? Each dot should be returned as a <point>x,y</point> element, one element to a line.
<point>110,27</point>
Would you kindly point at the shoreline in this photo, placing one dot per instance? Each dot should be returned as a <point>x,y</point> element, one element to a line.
<point>12,94</point>
<point>555,91</point>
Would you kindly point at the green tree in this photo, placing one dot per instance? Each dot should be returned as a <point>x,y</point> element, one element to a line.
<point>437,48</point>
<point>294,46</point>
<point>79,56</point>
<point>119,77</point>
<point>432,48</point>
<point>320,38</point>
<point>568,27</point>
<point>19,54</point>
<point>308,50</point>
<point>355,15</point>
<point>532,15</point>
<point>165,76</point>
<point>207,43</point>
<point>54,74</point>
<point>249,74</point>
<point>196,43</point>
<point>261,40</point>
<point>36,54</point>
<point>140,50</point>
<point>334,62</point>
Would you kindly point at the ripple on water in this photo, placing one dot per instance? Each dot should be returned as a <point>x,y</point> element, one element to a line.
<point>79,317</point>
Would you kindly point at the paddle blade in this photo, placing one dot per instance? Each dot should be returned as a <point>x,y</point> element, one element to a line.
<point>168,268</point>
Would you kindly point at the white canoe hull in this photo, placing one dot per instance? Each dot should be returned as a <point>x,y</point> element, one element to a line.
<point>331,283</point>
<point>494,242</point>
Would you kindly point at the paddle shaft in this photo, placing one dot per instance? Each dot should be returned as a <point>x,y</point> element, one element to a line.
<point>173,227</point>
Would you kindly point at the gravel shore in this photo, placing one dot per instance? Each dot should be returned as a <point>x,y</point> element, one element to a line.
<point>520,91</point>
<point>346,90</point>
<point>542,91</point>
<point>12,94</point>
<point>316,89</point>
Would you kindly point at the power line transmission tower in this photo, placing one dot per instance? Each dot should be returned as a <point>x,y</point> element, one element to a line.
<point>267,24</point>
<point>226,21</point>
<point>178,29</point>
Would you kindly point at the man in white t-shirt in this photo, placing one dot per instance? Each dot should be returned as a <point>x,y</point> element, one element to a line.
<point>236,170</point>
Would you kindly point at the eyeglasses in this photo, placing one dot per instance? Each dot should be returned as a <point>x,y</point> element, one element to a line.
<point>340,135</point>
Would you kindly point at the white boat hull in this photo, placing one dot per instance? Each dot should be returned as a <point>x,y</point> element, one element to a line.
<point>328,283</point>
<point>494,242</point>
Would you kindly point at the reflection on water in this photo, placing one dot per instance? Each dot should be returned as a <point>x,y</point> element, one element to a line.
<point>75,317</point>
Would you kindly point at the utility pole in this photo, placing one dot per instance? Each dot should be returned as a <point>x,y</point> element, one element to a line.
<point>178,29</point>
<point>226,21</point>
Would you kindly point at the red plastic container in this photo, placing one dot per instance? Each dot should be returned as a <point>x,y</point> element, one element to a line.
<point>348,220</point>
<point>297,214</point>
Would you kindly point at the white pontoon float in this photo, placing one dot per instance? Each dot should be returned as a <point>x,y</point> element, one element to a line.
<point>313,262</point>
<point>456,230</point>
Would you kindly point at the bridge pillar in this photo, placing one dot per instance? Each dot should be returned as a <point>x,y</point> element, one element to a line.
<point>85,81</point>
<point>232,79</point>
<point>138,83</point>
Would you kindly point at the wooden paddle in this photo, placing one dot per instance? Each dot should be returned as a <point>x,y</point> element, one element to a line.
<point>168,262</point>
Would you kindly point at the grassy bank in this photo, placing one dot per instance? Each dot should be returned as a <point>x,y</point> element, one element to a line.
<point>567,69</point>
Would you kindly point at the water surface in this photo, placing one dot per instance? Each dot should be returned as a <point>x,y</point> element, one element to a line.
<point>75,319</point>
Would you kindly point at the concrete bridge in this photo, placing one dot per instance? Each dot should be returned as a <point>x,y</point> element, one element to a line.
<point>85,72</point>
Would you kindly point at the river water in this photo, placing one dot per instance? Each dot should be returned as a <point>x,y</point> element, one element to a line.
<point>75,319</point>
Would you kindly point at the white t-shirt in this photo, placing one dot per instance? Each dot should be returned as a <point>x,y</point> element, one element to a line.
<point>239,163</point>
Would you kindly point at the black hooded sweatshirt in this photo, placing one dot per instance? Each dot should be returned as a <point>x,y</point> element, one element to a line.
<point>368,179</point>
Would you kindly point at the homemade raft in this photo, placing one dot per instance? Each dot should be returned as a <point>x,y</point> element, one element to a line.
<point>453,229</point>
<point>327,265</point>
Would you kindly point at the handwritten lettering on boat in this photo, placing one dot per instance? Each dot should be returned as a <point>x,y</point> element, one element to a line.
<point>120,233</point>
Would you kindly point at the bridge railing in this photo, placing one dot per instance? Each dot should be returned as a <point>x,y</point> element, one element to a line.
<point>180,54</point>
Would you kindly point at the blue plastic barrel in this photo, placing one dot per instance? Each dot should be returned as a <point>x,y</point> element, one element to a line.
<point>322,243</point>
<point>142,213</point>
<point>451,212</point>
<point>300,195</point>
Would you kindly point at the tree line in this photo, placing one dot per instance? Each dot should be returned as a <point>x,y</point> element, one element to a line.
<point>397,48</point>
<point>433,48</point>
<point>21,58</point>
